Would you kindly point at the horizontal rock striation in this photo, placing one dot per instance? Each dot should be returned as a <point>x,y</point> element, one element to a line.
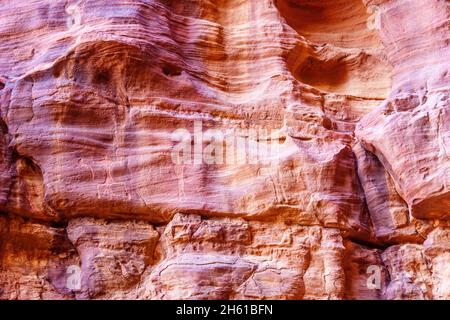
<point>345,195</point>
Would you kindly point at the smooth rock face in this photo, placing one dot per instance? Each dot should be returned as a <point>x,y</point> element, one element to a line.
<point>346,195</point>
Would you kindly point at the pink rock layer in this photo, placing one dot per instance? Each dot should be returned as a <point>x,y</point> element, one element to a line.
<point>356,205</point>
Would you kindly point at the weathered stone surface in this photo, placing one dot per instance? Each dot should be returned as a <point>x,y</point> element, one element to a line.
<point>352,95</point>
<point>113,255</point>
<point>34,260</point>
<point>360,263</point>
<point>392,222</point>
<point>410,132</point>
<point>437,251</point>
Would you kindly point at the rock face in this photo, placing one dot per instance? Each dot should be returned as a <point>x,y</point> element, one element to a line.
<point>238,149</point>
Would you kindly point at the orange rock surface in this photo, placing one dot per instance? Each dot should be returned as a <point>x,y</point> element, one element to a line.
<point>353,95</point>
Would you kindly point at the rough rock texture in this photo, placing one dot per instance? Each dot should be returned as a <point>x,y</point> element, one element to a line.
<point>355,203</point>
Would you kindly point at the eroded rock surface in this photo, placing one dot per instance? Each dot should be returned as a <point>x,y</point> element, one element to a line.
<point>352,94</point>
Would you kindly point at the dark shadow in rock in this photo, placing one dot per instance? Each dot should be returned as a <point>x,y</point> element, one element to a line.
<point>316,73</point>
<point>171,70</point>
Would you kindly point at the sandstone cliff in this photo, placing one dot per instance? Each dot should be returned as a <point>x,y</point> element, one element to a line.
<point>354,203</point>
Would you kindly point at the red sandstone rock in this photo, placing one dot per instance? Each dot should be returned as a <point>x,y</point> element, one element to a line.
<point>353,96</point>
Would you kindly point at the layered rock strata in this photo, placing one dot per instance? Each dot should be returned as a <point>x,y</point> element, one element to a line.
<point>352,94</point>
